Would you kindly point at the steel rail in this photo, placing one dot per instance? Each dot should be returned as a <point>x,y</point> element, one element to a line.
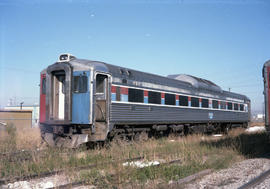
<point>81,183</point>
<point>50,173</point>
<point>257,180</point>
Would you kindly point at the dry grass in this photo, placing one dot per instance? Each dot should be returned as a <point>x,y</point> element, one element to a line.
<point>195,152</point>
<point>236,132</point>
<point>13,139</point>
<point>257,124</point>
<point>193,156</point>
<point>28,139</point>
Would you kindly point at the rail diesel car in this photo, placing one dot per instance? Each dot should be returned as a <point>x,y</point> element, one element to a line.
<point>89,101</point>
<point>266,76</point>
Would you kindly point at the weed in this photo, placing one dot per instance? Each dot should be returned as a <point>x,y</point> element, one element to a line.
<point>8,139</point>
<point>195,152</point>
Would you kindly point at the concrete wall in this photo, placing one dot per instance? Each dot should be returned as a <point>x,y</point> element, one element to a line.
<point>19,118</point>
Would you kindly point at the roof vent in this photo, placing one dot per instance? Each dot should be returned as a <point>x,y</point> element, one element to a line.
<point>66,57</point>
<point>197,82</point>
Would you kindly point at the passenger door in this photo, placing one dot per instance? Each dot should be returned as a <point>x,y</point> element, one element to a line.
<point>81,97</point>
<point>101,97</point>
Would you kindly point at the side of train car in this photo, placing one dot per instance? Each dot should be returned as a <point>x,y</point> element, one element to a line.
<point>266,77</point>
<point>88,101</point>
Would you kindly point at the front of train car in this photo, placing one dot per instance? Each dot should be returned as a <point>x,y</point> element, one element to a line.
<point>266,76</point>
<point>69,91</point>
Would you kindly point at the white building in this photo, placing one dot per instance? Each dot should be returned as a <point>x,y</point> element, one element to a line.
<point>260,116</point>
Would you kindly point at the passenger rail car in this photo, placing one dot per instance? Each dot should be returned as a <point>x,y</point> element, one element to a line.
<point>88,101</point>
<point>266,76</point>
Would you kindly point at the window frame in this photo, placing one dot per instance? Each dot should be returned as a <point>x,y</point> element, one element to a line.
<point>235,105</point>
<point>215,104</point>
<point>196,101</point>
<point>229,106</point>
<point>84,80</point>
<point>183,102</point>
<point>203,100</point>
<point>168,100</point>
<point>242,107</point>
<point>223,105</point>
<point>137,93</point>
<point>152,99</point>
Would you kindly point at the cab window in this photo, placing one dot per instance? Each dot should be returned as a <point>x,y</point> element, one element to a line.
<point>80,84</point>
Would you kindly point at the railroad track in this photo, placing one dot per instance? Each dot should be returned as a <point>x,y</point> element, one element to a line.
<point>81,183</point>
<point>77,183</point>
<point>51,173</point>
<point>256,181</point>
<point>19,155</point>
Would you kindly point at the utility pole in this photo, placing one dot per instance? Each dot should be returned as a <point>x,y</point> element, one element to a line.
<point>21,105</point>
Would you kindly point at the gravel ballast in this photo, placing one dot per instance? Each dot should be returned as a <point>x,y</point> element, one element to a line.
<point>235,176</point>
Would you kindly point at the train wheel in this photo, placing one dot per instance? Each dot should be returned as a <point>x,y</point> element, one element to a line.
<point>186,130</point>
<point>141,137</point>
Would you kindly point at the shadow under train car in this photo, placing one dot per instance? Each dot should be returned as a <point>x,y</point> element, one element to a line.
<point>251,145</point>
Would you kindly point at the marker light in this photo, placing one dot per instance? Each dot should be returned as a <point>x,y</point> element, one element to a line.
<point>65,57</point>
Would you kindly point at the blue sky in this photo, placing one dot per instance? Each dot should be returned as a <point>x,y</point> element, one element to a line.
<point>225,41</point>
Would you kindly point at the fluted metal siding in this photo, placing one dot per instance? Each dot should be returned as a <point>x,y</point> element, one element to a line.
<point>128,113</point>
